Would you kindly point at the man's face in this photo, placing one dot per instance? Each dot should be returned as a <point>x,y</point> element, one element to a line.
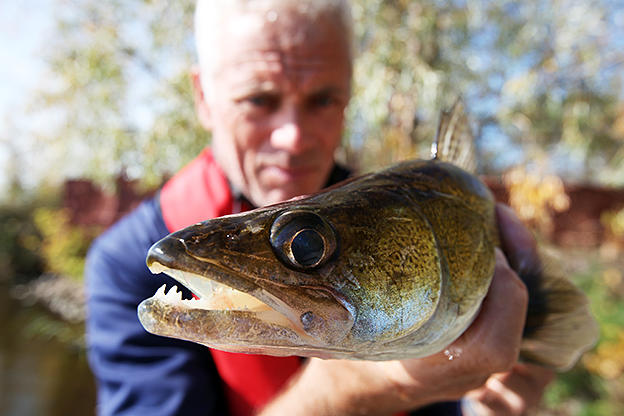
<point>276,106</point>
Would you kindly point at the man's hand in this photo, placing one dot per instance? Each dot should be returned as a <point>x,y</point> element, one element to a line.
<point>481,363</point>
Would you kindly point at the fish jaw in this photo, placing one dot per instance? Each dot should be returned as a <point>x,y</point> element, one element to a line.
<point>221,321</point>
<point>237,312</point>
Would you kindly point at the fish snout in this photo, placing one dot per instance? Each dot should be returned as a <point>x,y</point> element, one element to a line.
<point>166,252</point>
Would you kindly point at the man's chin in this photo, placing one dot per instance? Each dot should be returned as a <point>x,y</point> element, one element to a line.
<point>284,193</point>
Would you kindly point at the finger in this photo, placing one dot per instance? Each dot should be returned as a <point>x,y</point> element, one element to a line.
<point>513,393</point>
<point>516,241</point>
<point>528,381</point>
<point>496,399</point>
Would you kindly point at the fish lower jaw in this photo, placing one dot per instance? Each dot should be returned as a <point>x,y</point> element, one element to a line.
<point>167,314</point>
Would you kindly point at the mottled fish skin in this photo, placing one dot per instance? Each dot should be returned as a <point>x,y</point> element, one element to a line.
<point>407,256</point>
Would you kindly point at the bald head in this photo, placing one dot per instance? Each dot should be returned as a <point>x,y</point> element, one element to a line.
<point>216,20</point>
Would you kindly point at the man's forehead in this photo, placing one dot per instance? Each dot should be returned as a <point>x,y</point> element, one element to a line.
<point>297,35</point>
<point>271,70</point>
<point>278,59</point>
<point>256,48</point>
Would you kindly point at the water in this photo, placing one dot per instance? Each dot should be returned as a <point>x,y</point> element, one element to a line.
<point>40,375</point>
<point>453,353</point>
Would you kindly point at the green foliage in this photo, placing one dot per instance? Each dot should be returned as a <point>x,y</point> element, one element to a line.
<point>46,327</point>
<point>539,78</point>
<point>120,94</point>
<point>20,242</point>
<point>64,247</point>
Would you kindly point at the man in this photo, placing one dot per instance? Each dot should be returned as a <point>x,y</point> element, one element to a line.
<point>273,82</point>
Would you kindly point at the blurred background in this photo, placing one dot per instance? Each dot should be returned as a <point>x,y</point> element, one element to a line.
<point>96,111</point>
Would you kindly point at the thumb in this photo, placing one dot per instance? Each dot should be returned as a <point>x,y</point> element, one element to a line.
<point>517,241</point>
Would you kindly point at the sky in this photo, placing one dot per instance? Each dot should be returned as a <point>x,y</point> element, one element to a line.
<point>25,25</point>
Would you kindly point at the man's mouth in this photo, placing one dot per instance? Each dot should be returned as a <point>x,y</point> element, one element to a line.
<point>290,172</point>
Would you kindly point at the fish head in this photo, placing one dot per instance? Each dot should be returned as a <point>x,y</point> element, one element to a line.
<point>310,277</point>
<point>257,280</point>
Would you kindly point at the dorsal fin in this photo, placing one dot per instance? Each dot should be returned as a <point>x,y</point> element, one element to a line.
<point>454,141</point>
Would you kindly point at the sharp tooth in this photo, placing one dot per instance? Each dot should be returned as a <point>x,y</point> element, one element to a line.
<point>161,291</point>
<point>172,292</point>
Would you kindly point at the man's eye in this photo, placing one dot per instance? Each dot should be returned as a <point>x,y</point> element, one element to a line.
<point>321,100</point>
<point>263,100</point>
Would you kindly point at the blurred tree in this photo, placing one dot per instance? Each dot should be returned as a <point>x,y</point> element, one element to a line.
<point>20,243</point>
<point>120,90</point>
<point>11,167</point>
<point>543,81</point>
<point>64,246</point>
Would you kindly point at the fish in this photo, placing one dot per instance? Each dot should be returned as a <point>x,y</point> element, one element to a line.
<point>389,265</point>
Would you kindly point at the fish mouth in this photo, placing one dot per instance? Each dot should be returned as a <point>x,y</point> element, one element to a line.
<point>210,295</point>
<point>221,315</point>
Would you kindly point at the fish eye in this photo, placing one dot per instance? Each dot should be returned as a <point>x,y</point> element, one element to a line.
<point>302,240</point>
<point>307,247</point>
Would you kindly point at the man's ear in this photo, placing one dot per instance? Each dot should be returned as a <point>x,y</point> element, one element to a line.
<point>202,108</point>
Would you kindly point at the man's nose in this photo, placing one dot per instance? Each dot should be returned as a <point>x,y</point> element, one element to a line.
<point>287,133</point>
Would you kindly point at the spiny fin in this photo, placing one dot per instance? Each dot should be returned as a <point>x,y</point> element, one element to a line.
<point>454,141</point>
<point>559,326</point>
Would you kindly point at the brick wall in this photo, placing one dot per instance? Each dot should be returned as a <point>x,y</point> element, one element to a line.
<point>88,204</point>
<point>580,225</point>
